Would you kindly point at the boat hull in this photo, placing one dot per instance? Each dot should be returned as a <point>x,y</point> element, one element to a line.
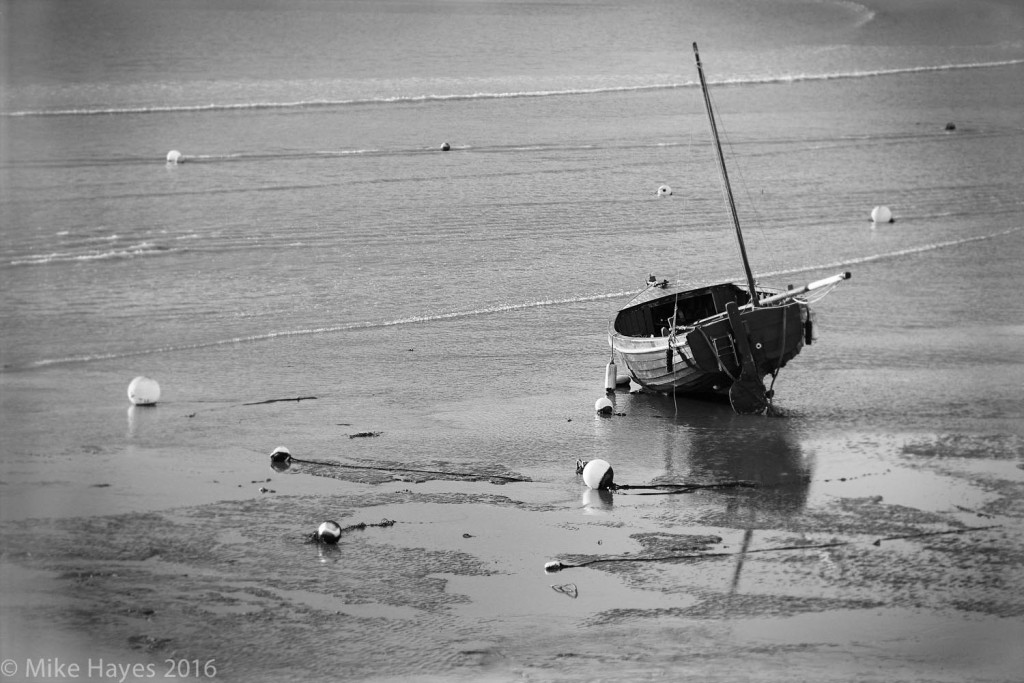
<point>707,356</point>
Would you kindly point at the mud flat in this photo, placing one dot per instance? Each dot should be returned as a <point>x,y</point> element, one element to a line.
<point>905,562</point>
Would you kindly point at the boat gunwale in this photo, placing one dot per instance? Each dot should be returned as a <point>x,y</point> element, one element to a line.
<point>672,293</point>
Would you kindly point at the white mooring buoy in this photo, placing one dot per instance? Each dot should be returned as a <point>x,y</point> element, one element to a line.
<point>881,214</point>
<point>604,406</point>
<point>143,391</point>
<point>611,377</point>
<point>664,191</point>
<point>174,157</point>
<point>598,474</point>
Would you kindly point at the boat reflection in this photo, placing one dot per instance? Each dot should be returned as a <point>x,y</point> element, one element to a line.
<point>597,502</point>
<point>706,442</point>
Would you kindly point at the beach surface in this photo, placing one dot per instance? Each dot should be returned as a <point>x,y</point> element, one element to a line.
<point>867,557</point>
<point>425,331</point>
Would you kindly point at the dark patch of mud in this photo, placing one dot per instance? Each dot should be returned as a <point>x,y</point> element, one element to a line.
<point>991,446</point>
<point>868,515</point>
<point>411,472</point>
<point>664,543</point>
<point>208,582</point>
<point>715,607</point>
<point>947,453</point>
<point>240,582</point>
<point>854,554</point>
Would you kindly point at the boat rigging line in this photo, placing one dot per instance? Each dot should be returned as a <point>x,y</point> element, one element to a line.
<point>725,178</point>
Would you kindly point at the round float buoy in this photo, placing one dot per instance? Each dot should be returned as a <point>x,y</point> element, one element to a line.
<point>329,532</point>
<point>280,458</point>
<point>598,474</point>
<point>881,214</point>
<point>604,406</point>
<point>143,391</point>
<point>664,191</point>
<point>445,147</point>
<point>950,126</point>
<point>174,157</point>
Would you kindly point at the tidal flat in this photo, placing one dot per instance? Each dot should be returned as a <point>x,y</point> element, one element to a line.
<point>825,568</point>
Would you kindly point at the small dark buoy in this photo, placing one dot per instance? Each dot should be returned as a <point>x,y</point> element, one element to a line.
<point>328,532</point>
<point>281,459</point>
<point>950,126</point>
<point>445,147</point>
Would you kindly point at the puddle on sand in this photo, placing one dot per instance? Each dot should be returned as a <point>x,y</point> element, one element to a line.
<point>368,610</point>
<point>49,634</point>
<point>949,642</point>
<point>852,469</point>
<point>519,586</point>
<point>115,480</point>
<point>529,597</point>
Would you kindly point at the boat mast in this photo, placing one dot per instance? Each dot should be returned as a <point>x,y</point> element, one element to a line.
<point>725,179</point>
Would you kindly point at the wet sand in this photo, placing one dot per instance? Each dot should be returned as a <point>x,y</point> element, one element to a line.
<point>877,558</point>
<point>459,307</point>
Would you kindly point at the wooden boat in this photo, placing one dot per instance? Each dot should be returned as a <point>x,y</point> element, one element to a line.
<point>717,340</point>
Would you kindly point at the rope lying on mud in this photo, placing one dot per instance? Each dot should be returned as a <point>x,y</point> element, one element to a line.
<point>378,468</point>
<point>681,488</point>
<point>330,532</point>
<point>281,400</point>
<point>558,565</point>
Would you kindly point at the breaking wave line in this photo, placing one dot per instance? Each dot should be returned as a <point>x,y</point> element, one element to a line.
<point>329,329</point>
<point>891,254</point>
<point>566,92</point>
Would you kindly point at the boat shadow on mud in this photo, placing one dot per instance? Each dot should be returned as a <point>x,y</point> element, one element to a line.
<point>704,441</point>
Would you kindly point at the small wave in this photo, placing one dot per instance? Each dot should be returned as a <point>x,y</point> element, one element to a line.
<point>863,13</point>
<point>257,156</point>
<point>891,254</point>
<point>873,73</point>
<point>135,251</point>
<point>313,104</point>
<point>567,92</point>
<point>328,329</point>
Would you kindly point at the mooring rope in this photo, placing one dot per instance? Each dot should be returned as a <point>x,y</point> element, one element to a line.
<point>681,488</point>
<point>315,537</point>
<point>458,475</point>
<point>558,565</point>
